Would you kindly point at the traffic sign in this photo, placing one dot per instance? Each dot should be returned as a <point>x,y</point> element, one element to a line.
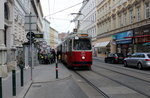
<point>40,35</point>
<point>30,36</point>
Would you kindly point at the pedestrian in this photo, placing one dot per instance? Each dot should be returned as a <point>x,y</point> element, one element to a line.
<point>21,63</point>
<point>59,57</point>
<point>53,55</point>
<point>49,58</point>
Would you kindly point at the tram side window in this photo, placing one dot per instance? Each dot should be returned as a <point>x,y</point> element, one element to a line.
<point>65,48</point>
<point>82,44</point>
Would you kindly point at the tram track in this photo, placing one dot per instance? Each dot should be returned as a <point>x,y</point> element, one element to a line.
<point>92,85</point>
<point>125,68</point>
<point>103,93</point>
<point>126,85</point>
<point>124,73</point>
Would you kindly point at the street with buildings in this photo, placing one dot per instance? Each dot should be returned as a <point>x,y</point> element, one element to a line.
<point>29,46</point>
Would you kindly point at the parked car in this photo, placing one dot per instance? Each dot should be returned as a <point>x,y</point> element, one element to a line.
<point>114,58</point>
<point>139,60</point>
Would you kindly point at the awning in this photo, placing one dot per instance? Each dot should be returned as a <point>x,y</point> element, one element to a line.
<point>102,44</point>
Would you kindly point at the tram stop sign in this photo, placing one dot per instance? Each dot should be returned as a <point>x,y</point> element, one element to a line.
<point>30,35</point>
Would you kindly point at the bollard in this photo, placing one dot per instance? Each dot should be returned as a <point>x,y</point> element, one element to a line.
<point>56,69</point>
<point>1,96</point>
<point>14,82</point>
<point>21,77</point>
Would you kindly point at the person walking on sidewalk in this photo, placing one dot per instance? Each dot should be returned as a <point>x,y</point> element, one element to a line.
<point>21,63</point>
<point>53,55</point>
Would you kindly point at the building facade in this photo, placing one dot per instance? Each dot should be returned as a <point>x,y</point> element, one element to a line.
<point>21,9</point>
<point>56,40</point>
<point>85,20</point>
<point>6,9</point>
<point>12,30</point>
<point>46,25</point>
<point>122,26</point>
<point>33,24</point>
<point>62,36</point>
<point>53,38</point>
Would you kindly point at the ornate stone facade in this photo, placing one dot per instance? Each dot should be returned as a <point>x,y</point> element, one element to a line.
<point>12,32</point>
<point>123,16</point>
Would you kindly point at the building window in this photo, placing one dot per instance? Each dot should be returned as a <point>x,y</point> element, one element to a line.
<point>131,16</point>
<point>5,36</point>
<point>6,11</point>
<point>109,25</point>
<point>125,19</point>
<point>120,21</point>
<point>138,14</point>
<point>147,10</point>
<point>114,22</point>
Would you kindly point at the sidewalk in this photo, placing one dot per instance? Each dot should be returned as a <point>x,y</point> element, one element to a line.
<point>44,73</point>
<point>41,74</point>
<point>45,84</point>
<point>7,83</point>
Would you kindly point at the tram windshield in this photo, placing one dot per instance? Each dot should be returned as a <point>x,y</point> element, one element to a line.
<point>82,44</point>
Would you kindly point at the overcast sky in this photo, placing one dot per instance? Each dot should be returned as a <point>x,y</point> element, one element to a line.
<point>60,21</point>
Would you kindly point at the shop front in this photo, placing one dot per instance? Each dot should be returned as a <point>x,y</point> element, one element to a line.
<point>94,49</point>
<point>124,42</point>
<point>141,38</point>
<point>103,47</point>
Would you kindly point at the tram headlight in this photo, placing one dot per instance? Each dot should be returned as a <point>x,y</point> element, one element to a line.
<point>83,57</point>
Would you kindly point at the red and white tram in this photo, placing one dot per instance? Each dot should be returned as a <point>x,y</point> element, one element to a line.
<point>77,50</point>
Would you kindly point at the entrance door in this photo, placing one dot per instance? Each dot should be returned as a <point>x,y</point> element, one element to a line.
<point>124,49</point>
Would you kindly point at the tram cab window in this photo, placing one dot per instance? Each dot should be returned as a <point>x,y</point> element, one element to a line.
<point>82,44</point>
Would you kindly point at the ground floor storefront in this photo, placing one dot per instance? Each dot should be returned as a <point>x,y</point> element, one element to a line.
<point>125,42</point>
<point>141,39</point>
<point>104,46</point>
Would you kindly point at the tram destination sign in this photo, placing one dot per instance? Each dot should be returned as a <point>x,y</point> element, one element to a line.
<point>83,35</point>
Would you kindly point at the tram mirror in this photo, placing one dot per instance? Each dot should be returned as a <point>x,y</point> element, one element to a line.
<point>76,37</point>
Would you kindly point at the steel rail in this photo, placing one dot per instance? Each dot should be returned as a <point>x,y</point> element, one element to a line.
<point>123,73</point>
<point>91,84</point>
<point>123,83</point>
<point>124,68</point>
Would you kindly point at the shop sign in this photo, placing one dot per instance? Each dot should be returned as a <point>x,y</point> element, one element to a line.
<point>124,41</point>
<point>121,38</point>
<point>113,37</point>
<point>122,35</point>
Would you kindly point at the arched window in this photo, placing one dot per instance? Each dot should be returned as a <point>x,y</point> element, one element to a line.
<point>6,11</point>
